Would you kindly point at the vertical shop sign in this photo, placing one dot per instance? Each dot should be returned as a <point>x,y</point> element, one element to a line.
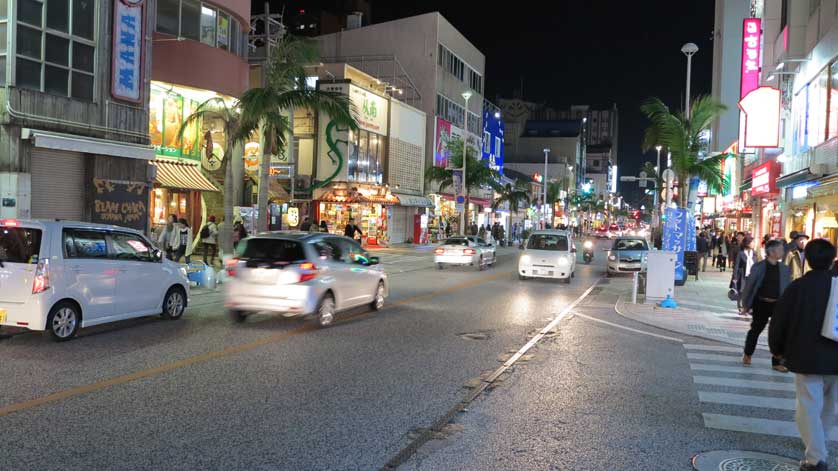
<point>443,136</point>
<point>127,55</point>
<point>751,33</point>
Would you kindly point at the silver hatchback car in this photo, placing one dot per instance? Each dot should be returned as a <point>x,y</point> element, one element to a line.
<point>299,274</point>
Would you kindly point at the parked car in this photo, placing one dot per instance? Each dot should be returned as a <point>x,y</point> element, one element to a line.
<point>471,250</point>
<point>548,254</point>
<point>627,255</point>
<point>301,274</point>
<point>60,276</point>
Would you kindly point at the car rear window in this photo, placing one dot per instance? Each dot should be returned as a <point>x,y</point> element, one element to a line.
<point>271,250</point>
<point>19,244</point>
<point>630,244</point>
<point>455,242</point>
<point>548,242</point>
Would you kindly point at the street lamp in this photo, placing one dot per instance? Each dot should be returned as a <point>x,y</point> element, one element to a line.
<point>544,208</point>
<point>689,49</point>
<point>466,97</point>
<point>657,169</point>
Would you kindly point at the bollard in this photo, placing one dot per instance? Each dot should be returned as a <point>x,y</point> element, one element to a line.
<point>634,288</point>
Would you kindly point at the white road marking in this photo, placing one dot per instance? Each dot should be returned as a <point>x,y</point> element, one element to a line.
<point>651,334</point>
<point>726,358</point>
<point>743,370</point>
<point>712,348</point>
<point>755,425</point>
<point>743,383</point>
<point>747,400</point>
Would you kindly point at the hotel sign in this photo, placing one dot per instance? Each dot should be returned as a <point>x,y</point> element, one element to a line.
<point>128,45</point>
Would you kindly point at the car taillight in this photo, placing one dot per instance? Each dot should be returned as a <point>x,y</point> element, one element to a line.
<point>9,222</point>
<point>308,276</point>
<point>469,251</point>
<point>230,266</point>
<point>439,251</point>
<point>41,282</point>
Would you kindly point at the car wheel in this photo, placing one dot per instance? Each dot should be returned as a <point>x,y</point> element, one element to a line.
<point>566,280</point>
<point>378,302</point>
<point>480,265</point>
<point>521,277</point>
<point>439,266</point>
<point>63,321</point>
<point>326,311</point>
<point>608,274</point>
<point>237,316</point>
<point>573,274</point>
<point>174,303</point>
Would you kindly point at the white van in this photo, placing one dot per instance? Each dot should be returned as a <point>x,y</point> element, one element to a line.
<point>60,276</point>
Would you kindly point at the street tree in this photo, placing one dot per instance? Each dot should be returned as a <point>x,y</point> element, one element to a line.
<point>217,110</point>
<point>682,136</point>
<point>478,173</point>
<point>517,196</point>
<point>267,108</point>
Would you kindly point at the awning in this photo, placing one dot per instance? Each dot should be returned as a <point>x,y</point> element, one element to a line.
<point>473,200</point>
<point>181,176</point>
<point>795,178</point>
<point>414,201</point>
<point>354,197</point>
<point>87,145</point>
<point>826,187</point>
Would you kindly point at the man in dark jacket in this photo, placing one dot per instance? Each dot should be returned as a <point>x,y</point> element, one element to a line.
<point>702,247</point>
<point>795,335</point>
<point>352,229</point>
<point>763,287</point>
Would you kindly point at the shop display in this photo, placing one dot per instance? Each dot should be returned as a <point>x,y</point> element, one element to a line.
<point>371,218</point>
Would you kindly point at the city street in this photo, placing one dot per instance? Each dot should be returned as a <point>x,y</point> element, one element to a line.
<point>376,390</point>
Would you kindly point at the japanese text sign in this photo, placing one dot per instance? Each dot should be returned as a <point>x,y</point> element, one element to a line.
<point>751,37</point>
<point>128,44</point>
<point>763,179</point>
<point>371,110</point>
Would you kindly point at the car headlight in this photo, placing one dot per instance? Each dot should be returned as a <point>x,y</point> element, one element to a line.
<point>524,259</point>
<point>612,257</point>
<point>588,244</point>
<point>182,271</point>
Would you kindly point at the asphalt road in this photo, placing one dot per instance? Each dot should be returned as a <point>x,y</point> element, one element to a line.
<point>276,394</point>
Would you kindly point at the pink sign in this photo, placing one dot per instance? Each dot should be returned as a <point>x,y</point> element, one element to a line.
<point>751,32</point>
<point>443,135</point>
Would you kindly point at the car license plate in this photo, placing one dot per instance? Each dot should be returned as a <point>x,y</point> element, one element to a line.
<point>2,316</point>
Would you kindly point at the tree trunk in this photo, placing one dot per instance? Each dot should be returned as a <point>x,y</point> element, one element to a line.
<point>466,224</point>
<point>226,230</point>
<point>262,199</point>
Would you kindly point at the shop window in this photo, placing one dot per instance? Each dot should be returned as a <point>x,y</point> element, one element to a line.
<point>29,11</point>
<point>208,25</point>
<point>487,142</point>
<point>832,130</point>
<point>223,32</point>
<point>58,14</point>
<point>83,24</point>
<point>168,16</point>
<point>190,20</point>
<point>4,8</point>
<point>235,37</point>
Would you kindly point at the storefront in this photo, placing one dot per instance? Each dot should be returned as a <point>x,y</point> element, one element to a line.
<point>179,189</point>
<point>408,221</point>
<point>369,206</point>
<point>765,199</point>
<point>824,202</point>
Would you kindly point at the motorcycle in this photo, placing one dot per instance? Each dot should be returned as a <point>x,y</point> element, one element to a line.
<point>588,251</point>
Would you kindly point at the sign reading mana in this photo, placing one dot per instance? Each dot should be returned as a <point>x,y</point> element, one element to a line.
<point>128,45</point>
<point>371,110</point>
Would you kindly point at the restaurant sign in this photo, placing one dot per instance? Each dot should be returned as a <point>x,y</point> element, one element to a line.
<point>127,58</point>
<point>120,203</point>
<point>371,110</point>
<point>764,179</point>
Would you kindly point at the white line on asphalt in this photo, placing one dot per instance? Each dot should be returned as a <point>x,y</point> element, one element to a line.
<point>742,370</point>
<point>754,425</point>
<point>627,328</point>
<point>743,383</point>
<point>747,400</point>
<point>712,348</point>
<point>726,358</point>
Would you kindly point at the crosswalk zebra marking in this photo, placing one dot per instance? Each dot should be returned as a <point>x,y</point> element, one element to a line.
<point>784,428</point>
<point>727,358</point>
<point>743,370</point>
<point>743,383</point>
<point>747,400</point>
<point>711,348</point>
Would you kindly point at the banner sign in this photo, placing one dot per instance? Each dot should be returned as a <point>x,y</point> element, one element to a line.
<point>372,110</point>
<point>127,55</point>
<point>763,180</point>
<point>761,108</point>
<point>751,51</point>
<point>120,203</point>
<point>167,110</point>
<point>679,236</point>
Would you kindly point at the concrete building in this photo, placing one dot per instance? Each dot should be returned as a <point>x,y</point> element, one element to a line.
<point>562,137</point>
<point>727,67</point>
<point>306,18</point>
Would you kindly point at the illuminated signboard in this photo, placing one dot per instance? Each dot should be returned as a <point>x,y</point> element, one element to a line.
<point>127,60</point>
<point>751,51</point>
<point>763,179</point>
<point>762,117</point>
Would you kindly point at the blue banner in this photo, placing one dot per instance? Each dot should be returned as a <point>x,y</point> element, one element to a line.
<point>679,236</point>
<point>128,40</point>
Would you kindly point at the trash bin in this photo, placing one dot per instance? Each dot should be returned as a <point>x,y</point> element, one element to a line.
<point>691,263</point>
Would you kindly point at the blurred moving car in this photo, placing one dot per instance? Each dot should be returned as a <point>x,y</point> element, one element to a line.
<point>627,255</point>
<point>299,274</point>
<point>548,254</point>
<point>614,231</point>
<point>601,232</point>
<point>60,276</point>
<point>471,250</point>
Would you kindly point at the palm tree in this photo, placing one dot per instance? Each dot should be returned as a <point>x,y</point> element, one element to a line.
<point>217,110</point>
<point>681,135</point>
<point>478,173</point>
<point>267,108</point>
<point>554,192</point>
<point>516,195</point>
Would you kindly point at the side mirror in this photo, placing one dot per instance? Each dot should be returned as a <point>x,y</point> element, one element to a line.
<point>373,261</point>
<point>157,255</point>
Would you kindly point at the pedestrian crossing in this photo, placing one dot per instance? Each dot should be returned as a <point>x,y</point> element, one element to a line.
<point>733,397</point>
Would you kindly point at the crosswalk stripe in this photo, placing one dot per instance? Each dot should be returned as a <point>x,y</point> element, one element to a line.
<point>755,425</point>
<point>713,348</point>
<point>780,403</point>
<point>743,383</point>
<point>726,358</point>
<point>740,370</point>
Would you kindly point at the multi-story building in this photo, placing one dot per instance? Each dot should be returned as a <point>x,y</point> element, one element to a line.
<point>727,67</point>
<point>74,122</point>
<point>305,19</point>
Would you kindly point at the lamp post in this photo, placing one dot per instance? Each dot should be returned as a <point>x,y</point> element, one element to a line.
<point>466,97</point>
<point>657,177</point>
<point>544,207</point>
<point>689,49</point>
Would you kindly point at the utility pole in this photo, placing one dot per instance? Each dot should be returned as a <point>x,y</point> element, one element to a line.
<point>546,153</point>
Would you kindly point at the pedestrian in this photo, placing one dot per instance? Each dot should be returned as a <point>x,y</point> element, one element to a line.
<point>239,233</point>
<point>324,227</point>
<point>722,253</point>
<point>306,225</point>
<point>495,230</point>
<point>702,247</point>
<point>734,248</point>
<point>796,258</point>
<point>501,235</point>
<point>165,237</point>
<point>351,230</point>
<point>448,230</point>
<point>765,239</point>
<point>314,227</point>
<point>790,243</point>
<point>763,287</point>
<point>472,229</point>
<point>184,235</point>
<point>482,232</point>
<point>795,335</point>
<point>746,258</point>
<point>209,240</point>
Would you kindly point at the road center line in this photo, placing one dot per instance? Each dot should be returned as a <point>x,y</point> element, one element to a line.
<point>205,357</point>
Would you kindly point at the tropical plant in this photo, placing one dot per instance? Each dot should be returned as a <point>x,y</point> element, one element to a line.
<point>216,110</point>
<point>682,136</point>
<point>516,196</point>
<point>267,108</point>
<point>478,173</point>
<point>554,192</point>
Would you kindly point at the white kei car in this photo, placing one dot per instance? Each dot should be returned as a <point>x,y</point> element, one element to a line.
<point>465,250</point>
<point>60,276</point>
<point>548,254</point>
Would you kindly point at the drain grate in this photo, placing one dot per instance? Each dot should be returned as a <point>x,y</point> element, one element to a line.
<point>739,460</point>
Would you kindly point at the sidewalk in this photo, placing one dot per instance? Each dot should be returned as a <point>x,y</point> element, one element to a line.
<point>703,311</point>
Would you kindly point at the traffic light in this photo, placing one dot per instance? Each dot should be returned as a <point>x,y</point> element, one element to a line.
<point>537,177</point>
<point>587,188</point>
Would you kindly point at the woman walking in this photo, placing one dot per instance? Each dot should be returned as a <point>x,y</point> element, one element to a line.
<point>184,233</point>
<point>166,235</point>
